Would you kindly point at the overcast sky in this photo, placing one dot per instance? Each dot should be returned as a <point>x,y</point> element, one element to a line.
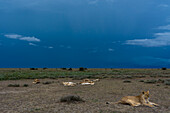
<point>85,33</point>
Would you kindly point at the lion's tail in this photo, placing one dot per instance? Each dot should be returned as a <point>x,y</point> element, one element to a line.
<point>114,102</point>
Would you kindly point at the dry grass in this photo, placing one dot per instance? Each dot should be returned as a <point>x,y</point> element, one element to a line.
<point>40,98</point>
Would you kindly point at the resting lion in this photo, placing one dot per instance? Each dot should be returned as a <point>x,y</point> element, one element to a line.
<point>69,83</point>
<point>87,82</point>
<point>142,99</point>
<point>36,81</point>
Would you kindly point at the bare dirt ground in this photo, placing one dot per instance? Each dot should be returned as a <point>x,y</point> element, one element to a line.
<point>41,98</point>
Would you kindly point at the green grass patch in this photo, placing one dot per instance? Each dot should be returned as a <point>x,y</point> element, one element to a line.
<point>167,82</point>
<point>78,75</point>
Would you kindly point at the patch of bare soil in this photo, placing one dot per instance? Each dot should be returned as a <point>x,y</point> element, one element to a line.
<point>44,98</point>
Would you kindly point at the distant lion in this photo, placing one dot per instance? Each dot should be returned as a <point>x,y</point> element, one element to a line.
<point>36,81</point>
<point>142,99</point>
<point>69,83</point>
<point>87,82</point>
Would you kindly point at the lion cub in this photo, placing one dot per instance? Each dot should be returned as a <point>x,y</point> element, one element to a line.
<point>142,99</point>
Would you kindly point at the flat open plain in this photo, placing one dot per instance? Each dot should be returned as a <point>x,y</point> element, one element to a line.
<point>113,85</point>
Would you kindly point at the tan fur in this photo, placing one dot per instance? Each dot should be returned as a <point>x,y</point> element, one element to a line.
<point>142,99</point>
<point>96,80</point>
<point>36,81</point>
<point>69,83</point>
<point>87,82</point>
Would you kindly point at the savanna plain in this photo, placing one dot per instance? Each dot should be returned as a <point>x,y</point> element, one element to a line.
<point>18,94</point>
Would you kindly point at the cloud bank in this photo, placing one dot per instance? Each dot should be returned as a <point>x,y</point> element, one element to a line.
<point>167,27</point>
<point>29,39</point>
<point>32,44</point>
<point>13,36</point>
<point>50,47</point>
<point>20,37</point>
<point>162,39</point>
<point>110,49</point>
<point>163,5</point>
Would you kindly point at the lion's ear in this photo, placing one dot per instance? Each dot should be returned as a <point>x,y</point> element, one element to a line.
<point>148,91</point>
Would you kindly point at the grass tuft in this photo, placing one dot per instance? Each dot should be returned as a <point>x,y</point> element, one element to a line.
<point>127,81</point>
<point>25,85</point>
<point>71,99</point>
<point>48,82</point>
<point>13,85</point>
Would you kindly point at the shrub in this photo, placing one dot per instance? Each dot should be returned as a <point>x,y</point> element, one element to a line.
<point>64,68</point>
<point>81,69</point>
<point>70,69</point>
<point>127,81</point>
<point>160,81</point>
<point>13,85</point>
<point>48,82</point>
<point>45,68</point>
<point>150,81</point>
<point>71,99</point>
<point>141,80</point>
<point>25,85</point>
<point>164,68</point>
<point>33,68</point>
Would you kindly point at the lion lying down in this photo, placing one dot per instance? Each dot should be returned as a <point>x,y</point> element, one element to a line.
<point>36,81</point>
<point>69,83</point>
<point>87,82</point>
<point>142,99</point>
